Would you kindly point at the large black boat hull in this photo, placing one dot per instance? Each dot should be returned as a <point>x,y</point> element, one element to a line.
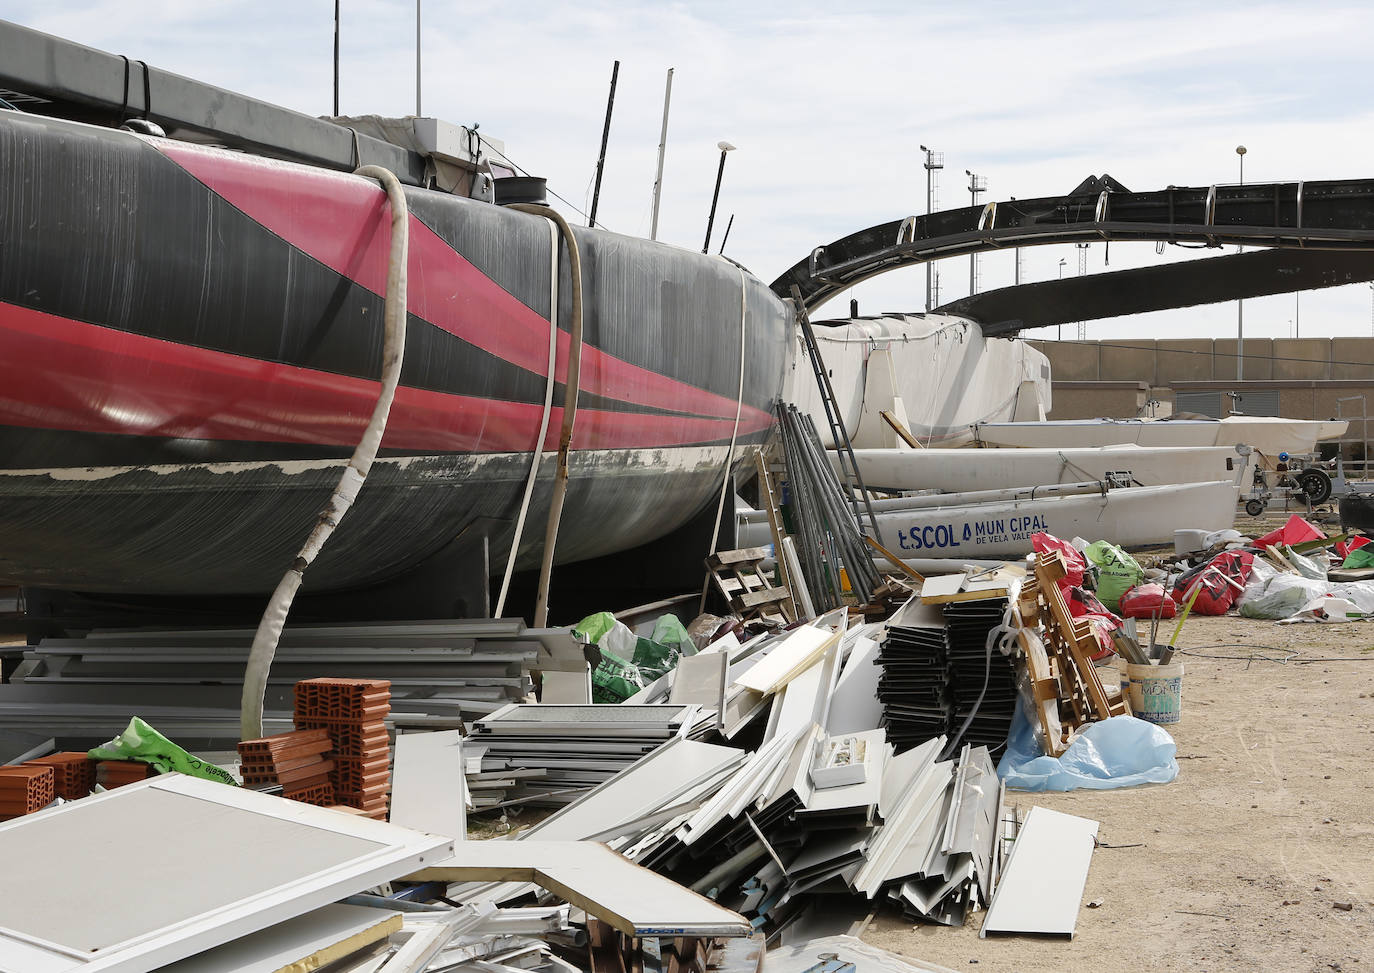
<point>190,343</point>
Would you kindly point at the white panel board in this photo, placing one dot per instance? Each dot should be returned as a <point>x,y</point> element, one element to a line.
<point>787,659</point>
<point>855,707</point>
<point>428,790</point>
<point>184,865</point>
<point>1044,878</point>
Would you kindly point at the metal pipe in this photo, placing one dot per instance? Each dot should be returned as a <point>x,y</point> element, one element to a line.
<point>570,389</point>
<point>273,619</point>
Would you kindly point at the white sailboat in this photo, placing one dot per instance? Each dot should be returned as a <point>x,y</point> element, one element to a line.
<point>1129,517</point>
<point>935,373</point>
<point>1270,435</point>
<point>955,470</point>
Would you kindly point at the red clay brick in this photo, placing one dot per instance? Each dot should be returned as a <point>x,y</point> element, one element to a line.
<point>320,795</point>
<point>117,773</point>
<point>25,789</point>
<point>342,699</point>
<point>73,773</point>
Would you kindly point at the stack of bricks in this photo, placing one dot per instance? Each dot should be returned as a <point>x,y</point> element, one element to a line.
<point>353,712</point>
<point>110,774</point>
<point>25,789</point>
<point>73,773</point>
<point>296,760</point>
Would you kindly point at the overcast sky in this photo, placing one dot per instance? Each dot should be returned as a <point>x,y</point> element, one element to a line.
<point>828,105</point>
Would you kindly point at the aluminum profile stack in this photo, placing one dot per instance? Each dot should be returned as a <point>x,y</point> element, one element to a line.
<point>914,684</point>
<point>189,682</point>
<point>970,623</point>
<point>575,747</point>
<point>828,537</point>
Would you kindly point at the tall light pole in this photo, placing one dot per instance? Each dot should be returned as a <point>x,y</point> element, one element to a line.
<point>976,185</point>
<point>1059,328</point>
<point>720,174</point>
<point>1240,303</point>
<point>934,161</point>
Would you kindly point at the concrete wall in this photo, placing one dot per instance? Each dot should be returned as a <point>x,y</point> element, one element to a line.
<point>1165,363</point>
<point>1118,377</point>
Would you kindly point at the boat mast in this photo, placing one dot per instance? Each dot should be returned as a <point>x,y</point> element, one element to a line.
<point>662,147</point>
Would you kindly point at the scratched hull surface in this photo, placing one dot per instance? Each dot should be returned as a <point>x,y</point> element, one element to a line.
<point>190,343</point>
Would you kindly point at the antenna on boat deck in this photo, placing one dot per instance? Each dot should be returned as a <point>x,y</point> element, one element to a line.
<point>727,234</point>
<point>725,147</point>
<point>605,136</point>
<point>417,58</point>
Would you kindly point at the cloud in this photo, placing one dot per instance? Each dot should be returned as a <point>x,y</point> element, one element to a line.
<point>828,107</point>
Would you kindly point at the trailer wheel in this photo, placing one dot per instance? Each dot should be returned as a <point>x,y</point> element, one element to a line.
<point>1316,485</point>
<point>1254,507</point>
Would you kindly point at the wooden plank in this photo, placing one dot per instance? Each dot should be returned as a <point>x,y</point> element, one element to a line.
<point>896,425</point>
<point>893,559</point>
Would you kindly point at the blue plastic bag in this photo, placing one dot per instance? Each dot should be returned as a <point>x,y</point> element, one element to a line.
<point>1120,752</point>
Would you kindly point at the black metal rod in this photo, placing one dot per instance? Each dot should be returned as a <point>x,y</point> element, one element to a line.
<point>727,233</point>
<point>710,220</point>
<point>336,58</point>
<point>605,137</point>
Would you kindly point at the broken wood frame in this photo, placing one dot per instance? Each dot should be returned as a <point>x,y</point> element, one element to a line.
<point>1070,642</point>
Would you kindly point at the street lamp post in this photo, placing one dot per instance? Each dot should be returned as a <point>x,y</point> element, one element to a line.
<point>934,161</point>
<point>1240,303</point>
<point>720,174</point>
<point>976,185</point>
<point>1059,328</point>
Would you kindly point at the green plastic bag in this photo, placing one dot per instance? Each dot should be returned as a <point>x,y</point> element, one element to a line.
<point>141,742</point>
<point>630,662</point>
<point>1361,557</point>
<point>1117,572</point>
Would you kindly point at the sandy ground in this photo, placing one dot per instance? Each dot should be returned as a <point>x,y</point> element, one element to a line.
<point>1242,859</point>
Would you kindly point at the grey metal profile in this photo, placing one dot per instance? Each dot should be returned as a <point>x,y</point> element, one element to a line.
<point>85,84</point>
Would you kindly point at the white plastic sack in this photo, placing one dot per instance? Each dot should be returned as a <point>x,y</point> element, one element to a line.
<point>1307,567</point>
<point>1360,593</point>
<point>1283,596</point>
<point>1327,610</point>
<point>1120,752</point>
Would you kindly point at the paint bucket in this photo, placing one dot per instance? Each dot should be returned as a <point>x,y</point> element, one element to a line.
<point>1157,692</point>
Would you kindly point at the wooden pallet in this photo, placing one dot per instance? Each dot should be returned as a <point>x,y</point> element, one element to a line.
<point>745,585</point>
<point>1068,645</point>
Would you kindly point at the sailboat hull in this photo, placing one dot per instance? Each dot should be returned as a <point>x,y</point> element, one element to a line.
<point>190,345</point>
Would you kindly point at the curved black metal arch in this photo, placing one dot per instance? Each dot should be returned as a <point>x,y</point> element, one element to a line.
<point>1327,215</point>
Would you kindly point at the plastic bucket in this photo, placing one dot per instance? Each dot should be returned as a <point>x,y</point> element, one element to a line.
<point>1157,692</point>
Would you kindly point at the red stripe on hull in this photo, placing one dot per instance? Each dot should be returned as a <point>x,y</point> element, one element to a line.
<point>62,374</point>
<point>341,221</point>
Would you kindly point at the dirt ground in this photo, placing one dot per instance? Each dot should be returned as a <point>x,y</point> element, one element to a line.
<point>1242,861</point>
